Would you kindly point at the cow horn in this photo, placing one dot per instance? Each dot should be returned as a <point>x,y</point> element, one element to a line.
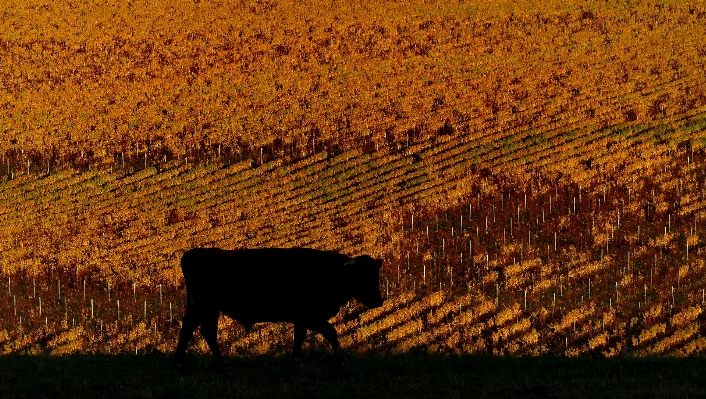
<point>350,263</point>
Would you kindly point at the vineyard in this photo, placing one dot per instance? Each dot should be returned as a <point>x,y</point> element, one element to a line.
<point>533,177</point>
<point>607,260</point>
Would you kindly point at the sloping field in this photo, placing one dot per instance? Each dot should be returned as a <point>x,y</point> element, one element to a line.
<point>532,175</point>
<point>110,82</point>
<point>475,258</point>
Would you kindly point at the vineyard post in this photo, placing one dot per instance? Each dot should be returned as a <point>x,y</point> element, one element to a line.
<point>645,299</point>
<point>58,287</point>
<point>589,288</point>
<point>673,303</point>
<point>525,299</point>
<point>554,303</point>
<point>497,294</point>
<point>108,291</point>
<point>616,291</point>
<point>118,309</point>
<point>145,310</point>
<point>9,285</point>
<point>91,308</point>
<point>84,289</point>
<point>14,305</point>
<point>160,288</point>
<point>40,306</point>
<point>134,293</point>
<point>34,288</point>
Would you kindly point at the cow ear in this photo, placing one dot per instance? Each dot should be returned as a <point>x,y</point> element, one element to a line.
<point>350,262</point>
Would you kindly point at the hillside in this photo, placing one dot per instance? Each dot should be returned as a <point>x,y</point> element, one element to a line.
<point>110,82</point>
<point>566,220</point>
<point>496,254</point>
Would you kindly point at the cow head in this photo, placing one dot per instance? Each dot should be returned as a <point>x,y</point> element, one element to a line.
<point>363,273</point>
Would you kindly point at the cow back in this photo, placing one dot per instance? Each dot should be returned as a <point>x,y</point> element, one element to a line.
<point>270,284</point>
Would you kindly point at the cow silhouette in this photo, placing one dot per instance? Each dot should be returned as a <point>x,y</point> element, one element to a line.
<point>305,287</point>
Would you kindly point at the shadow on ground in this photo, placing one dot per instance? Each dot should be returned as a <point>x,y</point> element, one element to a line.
<point>320,375</point>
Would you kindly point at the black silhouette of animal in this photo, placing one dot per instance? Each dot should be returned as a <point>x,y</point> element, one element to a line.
<point>305,287</point>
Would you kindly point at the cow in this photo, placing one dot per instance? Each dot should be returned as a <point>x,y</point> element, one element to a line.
<point>302,286</point>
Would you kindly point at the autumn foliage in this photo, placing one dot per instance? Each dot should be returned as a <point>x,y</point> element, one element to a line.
<point>532,175</point>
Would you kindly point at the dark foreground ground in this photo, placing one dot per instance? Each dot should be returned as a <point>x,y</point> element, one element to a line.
<point>321,375</point>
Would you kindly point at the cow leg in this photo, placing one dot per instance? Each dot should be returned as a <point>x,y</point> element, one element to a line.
<point>209,331</point>
<point>329,332</point>
<point>299,335</point>
<point>188,325</point>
